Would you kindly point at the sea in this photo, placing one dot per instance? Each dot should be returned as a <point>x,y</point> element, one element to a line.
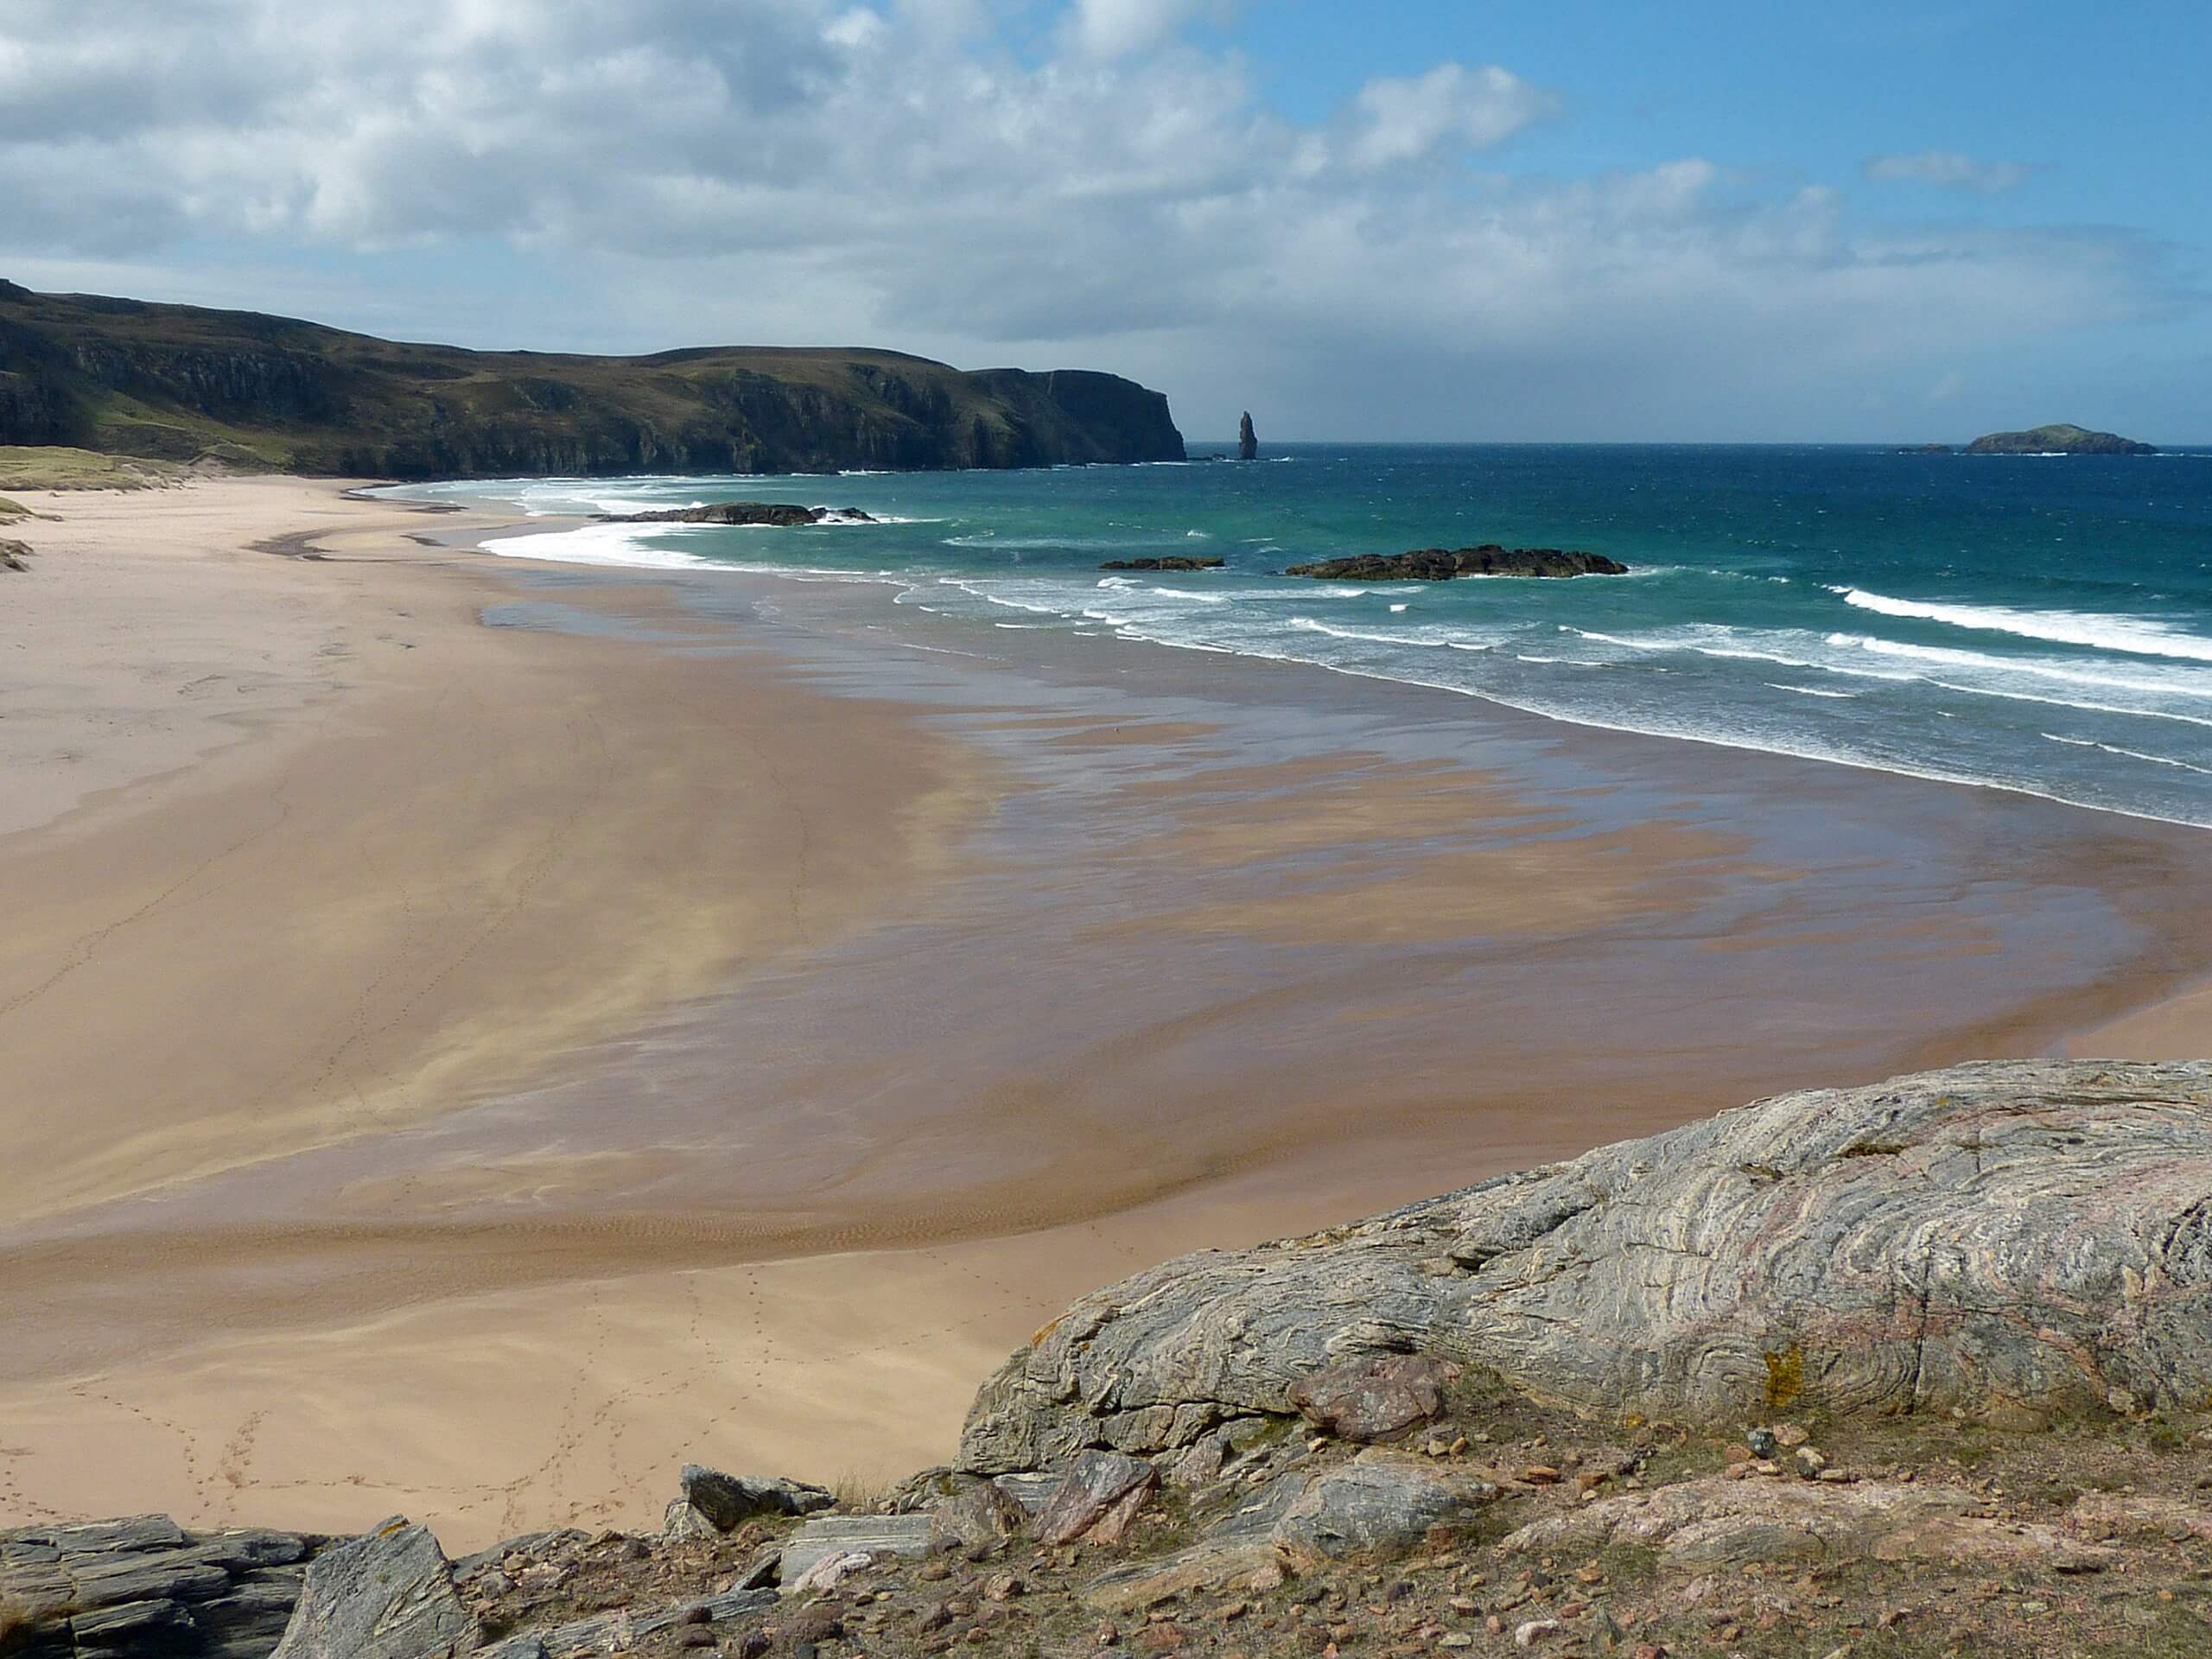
<point>2039,624</point>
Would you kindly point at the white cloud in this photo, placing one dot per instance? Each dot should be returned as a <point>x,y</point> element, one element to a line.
<point>1114,28</point>
<point>1405,120</point>
<point>910,173</point>
<point>1948,169</point>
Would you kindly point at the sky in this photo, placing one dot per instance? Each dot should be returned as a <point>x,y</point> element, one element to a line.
<point>1707,220</point>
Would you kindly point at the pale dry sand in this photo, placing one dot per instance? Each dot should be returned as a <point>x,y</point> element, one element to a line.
<point>308,862</point>
<point>455,852</point>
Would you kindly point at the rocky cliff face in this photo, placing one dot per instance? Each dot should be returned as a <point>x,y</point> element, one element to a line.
<point>2013,1242</point>
<point>177,383</point>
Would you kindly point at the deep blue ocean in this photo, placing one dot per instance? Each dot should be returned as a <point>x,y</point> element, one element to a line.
<point>2039,623</point>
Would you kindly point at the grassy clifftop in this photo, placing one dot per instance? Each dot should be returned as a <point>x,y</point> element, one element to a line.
<point>177,383</point>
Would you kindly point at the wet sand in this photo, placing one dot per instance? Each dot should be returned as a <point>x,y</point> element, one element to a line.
<point>695,1018</point>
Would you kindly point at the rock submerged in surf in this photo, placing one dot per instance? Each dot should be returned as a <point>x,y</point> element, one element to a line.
<point>1174,562</point>
<point>1440,564</point>
<point>780,514</point>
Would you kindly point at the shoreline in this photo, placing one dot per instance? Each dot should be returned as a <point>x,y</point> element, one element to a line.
<point>1219,863</point>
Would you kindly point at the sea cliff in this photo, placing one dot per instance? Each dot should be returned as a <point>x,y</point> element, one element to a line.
<point>179,383</point>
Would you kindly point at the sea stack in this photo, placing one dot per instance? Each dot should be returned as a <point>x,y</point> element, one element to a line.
<point>1248,442</point>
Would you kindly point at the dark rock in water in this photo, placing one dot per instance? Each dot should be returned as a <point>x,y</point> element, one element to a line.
<point>1923,449</point>
<point>1248,441</point>
<point>2059,439</point>
<point>1100,1495</point>
<point>1439,564</point>
<point>1174,562</point>
<point>1368,1399</point>
<point>782,514</point>
<point>387,1594</point>
<point>729,1501</point>
<point>2012,1241</point>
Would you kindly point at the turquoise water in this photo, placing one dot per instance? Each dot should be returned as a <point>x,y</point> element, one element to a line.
<point>2041,624</point>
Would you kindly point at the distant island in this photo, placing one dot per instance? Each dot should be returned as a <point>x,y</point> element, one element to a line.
<point>178,383</point>
<point>1440,564</point>
<point>2063,439</point>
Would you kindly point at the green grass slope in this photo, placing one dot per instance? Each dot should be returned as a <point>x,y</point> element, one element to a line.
<point>180,384</point>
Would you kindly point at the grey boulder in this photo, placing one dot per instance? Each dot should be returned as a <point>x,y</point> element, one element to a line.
<point>387,1594</point>
<point>2011,1241</point>
<point>1379,1502</point>
<point>729,1501</point>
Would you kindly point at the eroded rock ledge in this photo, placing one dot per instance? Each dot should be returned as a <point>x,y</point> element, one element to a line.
<point>2015,1241</point>
<point>1442,564</point>
<point>781,515</point>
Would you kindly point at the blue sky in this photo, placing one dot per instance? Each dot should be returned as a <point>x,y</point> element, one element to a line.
<point>1571,220</point>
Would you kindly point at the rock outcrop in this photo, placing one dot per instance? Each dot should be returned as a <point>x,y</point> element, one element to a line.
<point>1379,1502</point>
<point>1440,564</point>
<point>1172,562</point>
<point>387,1594</point>
<point>14,555</point>
<point>2014,1241</point>
<point>1248,441</point>
<point>178,383</point>
<point>782,515</point>
<point>729,1501</point>
<point>1699,1525</point>
<point>2059,439</point>
<point>145,1588</point>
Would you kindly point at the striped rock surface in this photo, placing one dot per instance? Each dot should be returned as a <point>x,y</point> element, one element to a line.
<point>2013,1239</point>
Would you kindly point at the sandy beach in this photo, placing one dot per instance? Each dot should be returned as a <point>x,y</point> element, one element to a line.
<point>479,1035</point>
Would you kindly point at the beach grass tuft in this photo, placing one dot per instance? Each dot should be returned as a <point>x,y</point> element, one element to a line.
<point>55,468</point>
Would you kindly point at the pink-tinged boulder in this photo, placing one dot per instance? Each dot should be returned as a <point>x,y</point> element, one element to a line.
<point>1372,1399</point>
<point>1100,1495</point>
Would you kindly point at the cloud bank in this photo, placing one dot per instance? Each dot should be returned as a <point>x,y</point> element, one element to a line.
<point>986,181</point>
<point>1949,169</point>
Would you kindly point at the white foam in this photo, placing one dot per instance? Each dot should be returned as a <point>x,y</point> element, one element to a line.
<point>2072,703</point>
<point>622,546</point>
<point>1807,690</point>
<point>2137,636</point>
<point>2182,685</point>
<point>2132,754</point>
<point>1310,625</point>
